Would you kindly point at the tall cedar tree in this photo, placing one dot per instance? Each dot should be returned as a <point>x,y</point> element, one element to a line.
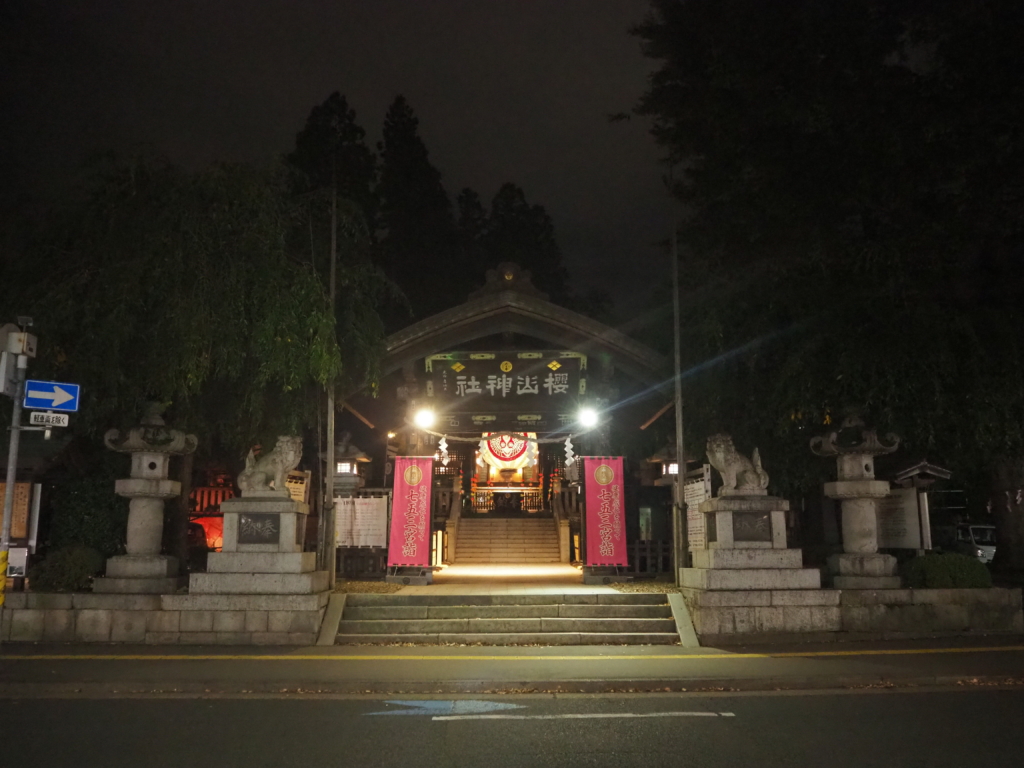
<point>418,232</point>
<point>331,153</point>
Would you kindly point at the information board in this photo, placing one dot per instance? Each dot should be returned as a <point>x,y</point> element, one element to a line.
<point>696,490</point>
<point>362,522</point>
<point>297,483</point>
<point>899,520</point>
<point>22,501</point>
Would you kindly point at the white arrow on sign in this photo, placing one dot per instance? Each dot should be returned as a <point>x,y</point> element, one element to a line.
<point>57,395</point>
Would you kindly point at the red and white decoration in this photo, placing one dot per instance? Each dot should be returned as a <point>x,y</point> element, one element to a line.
<point>509,451</point>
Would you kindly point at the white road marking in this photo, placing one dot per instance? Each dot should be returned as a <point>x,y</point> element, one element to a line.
<point>591,716</point>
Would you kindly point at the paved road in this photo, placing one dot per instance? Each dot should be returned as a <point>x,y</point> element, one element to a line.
<point>25,670</point>
<point>840,730</point>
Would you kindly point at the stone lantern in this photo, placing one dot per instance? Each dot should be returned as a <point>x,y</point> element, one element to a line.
<point>856,489</point>
<point>347,459</point>
<point>151,444</point>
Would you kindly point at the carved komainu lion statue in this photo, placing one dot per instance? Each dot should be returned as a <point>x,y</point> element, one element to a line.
<point>740,475</point>
<point>274,467</point>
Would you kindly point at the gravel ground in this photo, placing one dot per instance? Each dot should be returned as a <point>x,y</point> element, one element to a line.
<point>366,587</point>
<point>645,586</point>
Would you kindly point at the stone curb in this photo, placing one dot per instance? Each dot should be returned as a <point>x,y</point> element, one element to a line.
<point>665,685</point>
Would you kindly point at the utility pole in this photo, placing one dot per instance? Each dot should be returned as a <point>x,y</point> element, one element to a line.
<point>330,532</point>
<point>680,537</point>
<point>23,345</point>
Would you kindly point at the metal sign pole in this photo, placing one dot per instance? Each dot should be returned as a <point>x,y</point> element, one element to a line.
<point>12,470</point>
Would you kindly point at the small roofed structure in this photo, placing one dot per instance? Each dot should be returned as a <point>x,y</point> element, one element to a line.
<point>921,475</point>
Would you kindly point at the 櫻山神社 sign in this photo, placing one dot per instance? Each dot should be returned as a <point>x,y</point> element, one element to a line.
<point>506,390</point>
<point>605,510</point>
<point>409,541</point>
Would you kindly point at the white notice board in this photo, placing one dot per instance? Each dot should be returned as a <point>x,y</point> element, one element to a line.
<point>696,490</point>
<point>899,521</point>
<point>362,522</point>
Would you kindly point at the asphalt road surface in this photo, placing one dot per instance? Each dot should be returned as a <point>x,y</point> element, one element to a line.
<point>966,727</point>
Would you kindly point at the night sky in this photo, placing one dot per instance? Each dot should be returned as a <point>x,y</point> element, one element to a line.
<point>505,91</point>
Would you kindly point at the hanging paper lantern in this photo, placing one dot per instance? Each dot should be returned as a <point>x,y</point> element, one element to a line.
<point>513,451</point>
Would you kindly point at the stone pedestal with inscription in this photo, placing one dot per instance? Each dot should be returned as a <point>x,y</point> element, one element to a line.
<point>744,578</point>
<point>746,548</point>
<point>261,587</point>
<point>262,551</point>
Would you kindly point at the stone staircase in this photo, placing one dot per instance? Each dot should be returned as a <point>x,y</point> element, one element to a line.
<point>506,541</point>
<point>548,619</point>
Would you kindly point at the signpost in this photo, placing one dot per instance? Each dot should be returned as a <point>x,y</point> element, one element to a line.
<point>51,396</point>
<point>47,419</point>
<point>18,346</point>
<point>22,346</point>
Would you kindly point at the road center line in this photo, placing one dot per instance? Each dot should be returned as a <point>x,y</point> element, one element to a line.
<point>591,716</point>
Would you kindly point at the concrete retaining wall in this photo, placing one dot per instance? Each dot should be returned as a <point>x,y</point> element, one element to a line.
<point>831,613</point>
<point>164,619</point>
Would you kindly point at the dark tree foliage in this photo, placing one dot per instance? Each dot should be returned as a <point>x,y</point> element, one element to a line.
<point>851,181</point>
<point>524,233</point>
<point>331,153</point>
<point>184,288</point>
<point>418,233</point>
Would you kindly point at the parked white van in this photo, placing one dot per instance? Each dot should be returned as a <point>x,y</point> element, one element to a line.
<point>977,541</point>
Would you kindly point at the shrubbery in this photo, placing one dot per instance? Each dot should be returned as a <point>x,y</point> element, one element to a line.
<point>66,570</point>
<point>87,512</point>
<point>946,571</point>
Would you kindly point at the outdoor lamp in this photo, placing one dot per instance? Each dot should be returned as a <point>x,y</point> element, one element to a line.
<point>424,418</point>
<point>587,418</point>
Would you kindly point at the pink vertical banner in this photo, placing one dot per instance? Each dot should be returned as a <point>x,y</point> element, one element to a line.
<point>409,541</point>
<point>606,511</point>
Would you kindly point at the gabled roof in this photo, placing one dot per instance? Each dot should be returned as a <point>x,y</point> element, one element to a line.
<point>509,303</point>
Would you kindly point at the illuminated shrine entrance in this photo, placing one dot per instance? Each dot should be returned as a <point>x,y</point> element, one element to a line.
<point>505,365</point>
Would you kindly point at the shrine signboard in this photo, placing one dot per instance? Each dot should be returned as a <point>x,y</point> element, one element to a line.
<point>493,391</point>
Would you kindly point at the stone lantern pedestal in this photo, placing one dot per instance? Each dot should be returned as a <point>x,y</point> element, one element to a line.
<point>143,570</point>
<point>860,566</point>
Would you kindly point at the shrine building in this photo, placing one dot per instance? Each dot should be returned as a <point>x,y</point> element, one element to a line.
<point>493,389</point>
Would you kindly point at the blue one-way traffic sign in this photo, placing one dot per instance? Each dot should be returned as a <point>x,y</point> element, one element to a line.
<point>51,396</point>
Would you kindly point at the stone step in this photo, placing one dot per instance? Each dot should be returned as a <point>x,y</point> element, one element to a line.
<point>544,549</point>
<point>509,539</point>
<point>751,578</point>
<point>493,626</point>
<point>517,638</point>
<point>613,598</point>
<point>491,544</point>
<point>748,558</point>
<point>499,544</point>
<point>371,613</point>
<point>258,583</point>
<point>261,562</point>
<point>495,560</point>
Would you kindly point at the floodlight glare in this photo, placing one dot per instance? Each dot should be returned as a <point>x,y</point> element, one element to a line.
<point>587,417</point>
<point>424,418</point>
